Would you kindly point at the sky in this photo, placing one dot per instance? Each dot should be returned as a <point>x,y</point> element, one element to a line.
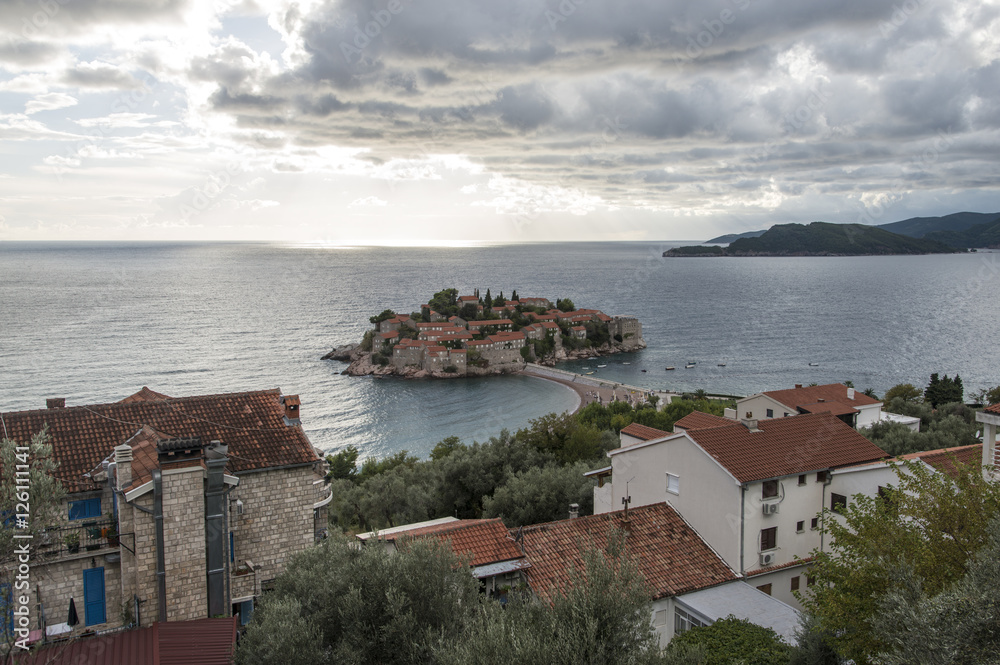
<point>437,122</point>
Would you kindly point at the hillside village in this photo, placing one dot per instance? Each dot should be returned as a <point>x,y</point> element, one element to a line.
<point>472,335</point>
<point>179,511</point>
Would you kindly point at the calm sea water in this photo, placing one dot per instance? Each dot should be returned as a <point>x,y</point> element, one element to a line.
<point>94,323</point>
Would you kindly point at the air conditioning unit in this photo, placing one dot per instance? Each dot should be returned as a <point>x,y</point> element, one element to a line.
<point>767,559</point>
<point>770,508</point>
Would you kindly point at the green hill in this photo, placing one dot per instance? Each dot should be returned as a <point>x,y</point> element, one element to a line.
<point>821,239</point>
<point>981,235</point>
<point>919,227</point>
<point>730,237</point>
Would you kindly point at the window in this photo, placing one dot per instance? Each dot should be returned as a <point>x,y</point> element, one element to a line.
<point>232,548</point>
<point>821,476</point>
<point>795,583</point>
<point>810,580</point>
<point>769,490</point>
<point>684,621</point>
<point>885,494</point>
<point>766,588</point>
<point>770,413</point>
<point>802,479</point>
<point>800,526</point>
<point>85,509</point>
<point>93,596</point>
<point>838,503</point>
<point>814,523</point>
<point>787,414</point>
<point>768,539</point>
<point>660,618</point>
<point>673,484</point>
<point>749,414</point>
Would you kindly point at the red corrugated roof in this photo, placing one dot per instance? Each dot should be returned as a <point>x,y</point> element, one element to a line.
<point>642,432</point>
<point>251,424</point>
<point>701,420</point>
<point>786,446</point>
<point>671,556</point>
<point>198,642</point>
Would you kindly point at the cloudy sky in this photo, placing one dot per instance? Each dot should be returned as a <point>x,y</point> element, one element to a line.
<point>450,121</point>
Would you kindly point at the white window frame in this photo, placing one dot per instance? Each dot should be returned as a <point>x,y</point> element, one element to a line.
<point>675,488</point>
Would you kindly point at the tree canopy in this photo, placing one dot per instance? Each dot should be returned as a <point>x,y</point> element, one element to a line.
<point>731,640</point>
<point>943,390</point>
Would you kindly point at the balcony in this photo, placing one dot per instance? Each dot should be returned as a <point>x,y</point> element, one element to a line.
<point>84,537</point>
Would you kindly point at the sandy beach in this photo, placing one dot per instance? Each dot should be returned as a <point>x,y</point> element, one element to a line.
<point>587,393</point>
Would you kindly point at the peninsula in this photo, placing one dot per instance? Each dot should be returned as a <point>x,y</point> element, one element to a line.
<point>453,336</point>
<point>820,239</point>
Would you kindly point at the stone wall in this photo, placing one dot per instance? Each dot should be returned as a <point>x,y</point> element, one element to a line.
<point>184,543</point>
<point>277,520</point>
<point>60,581</point>
<point>407,356</point>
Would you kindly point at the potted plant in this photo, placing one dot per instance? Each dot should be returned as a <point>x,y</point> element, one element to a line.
<point>73,542</point>
<point>111,533</point>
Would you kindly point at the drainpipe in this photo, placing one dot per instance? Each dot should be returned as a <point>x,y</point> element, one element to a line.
<point>161,566</point>
<point>743,498</point>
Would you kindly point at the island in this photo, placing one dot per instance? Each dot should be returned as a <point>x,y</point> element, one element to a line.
<point>455,336</point>
<point>819,239</point>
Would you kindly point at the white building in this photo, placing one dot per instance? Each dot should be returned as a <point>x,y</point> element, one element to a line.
<point>852,406</point>
<point>751,489</point>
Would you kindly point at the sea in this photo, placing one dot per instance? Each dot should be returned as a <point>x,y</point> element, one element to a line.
<point>95,322</point>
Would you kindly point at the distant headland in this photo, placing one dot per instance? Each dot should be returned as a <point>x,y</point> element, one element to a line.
<point>819,239</point>
<point>454,336</point>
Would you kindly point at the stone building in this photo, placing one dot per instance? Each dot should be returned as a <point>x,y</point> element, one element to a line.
<point>176,509</point>
<point>627,327</point>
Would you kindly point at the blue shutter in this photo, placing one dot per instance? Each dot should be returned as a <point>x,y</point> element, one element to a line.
<point>93,596</point>
<point>85,509</point>
<point>232,548</point>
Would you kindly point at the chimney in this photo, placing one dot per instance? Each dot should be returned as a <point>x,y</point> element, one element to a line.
<point>574,511</point>
<point>123,464</point>
<point>291,403</point>
<point>798,385</point>
<point>750,424</point>
<point>850,393</point>
<point>55,403</point>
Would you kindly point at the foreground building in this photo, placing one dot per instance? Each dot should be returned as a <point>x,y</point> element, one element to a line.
<point>177,508</point>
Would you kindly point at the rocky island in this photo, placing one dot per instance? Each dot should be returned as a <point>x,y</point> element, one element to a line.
<point>819,239</point>
<point>455,336</point>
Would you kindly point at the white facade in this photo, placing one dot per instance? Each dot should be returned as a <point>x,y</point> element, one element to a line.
<point>991,427</point>
<point>764,407</point>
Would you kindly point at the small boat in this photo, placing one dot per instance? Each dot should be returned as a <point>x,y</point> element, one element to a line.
<point>589,372</point>
<point>592,358</point>
<point>722,364</point>
<point>584,368</point>
<point>814,364</point>
<point>599,366</point>
<point>626,363</point>
<point>643,370</point>
<point>670,368</point>
<point>689,366</point>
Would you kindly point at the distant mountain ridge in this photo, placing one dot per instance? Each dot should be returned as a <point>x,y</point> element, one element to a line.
<point>820,239</point>
<point>920,227</point>
<point>731,237</point>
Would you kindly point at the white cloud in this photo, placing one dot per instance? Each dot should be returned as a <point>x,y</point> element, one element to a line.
<point>368,201</point>
<point>49,102</point>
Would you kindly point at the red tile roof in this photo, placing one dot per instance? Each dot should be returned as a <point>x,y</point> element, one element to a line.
<point>144,395</point>
<point>671,556</point>
<point>994,408</point>
<point>786,446</point>
<point>831,392</point>
<point>198,642</point>
<point>490,322</point>
<point>945,459</point>
<point>642,432</point>
<point>780,566</point>
<point>251,424</point>
<point>486,541</point>
<point>833,408</point>
<point>701,420</point>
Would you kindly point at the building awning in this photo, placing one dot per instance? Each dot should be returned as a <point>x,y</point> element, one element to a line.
<point>598,472</point>
<point>491,569</point>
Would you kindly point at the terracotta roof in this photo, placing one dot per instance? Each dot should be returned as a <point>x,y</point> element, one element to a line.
<point>671,556</point>
<point>993,408</point>
<point>834,408</point>
<point>786,446</point>
<point>468,299</point>
<point>251,424</point>
<point>490,322</point>
<point>642,432</point>
<point>831,392</point>
<point>198,642</point>
<point>389,335</point>
<point>701,420</point>
<point>144,395</point>
<point>487,541</point>
<point>944,459</point>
